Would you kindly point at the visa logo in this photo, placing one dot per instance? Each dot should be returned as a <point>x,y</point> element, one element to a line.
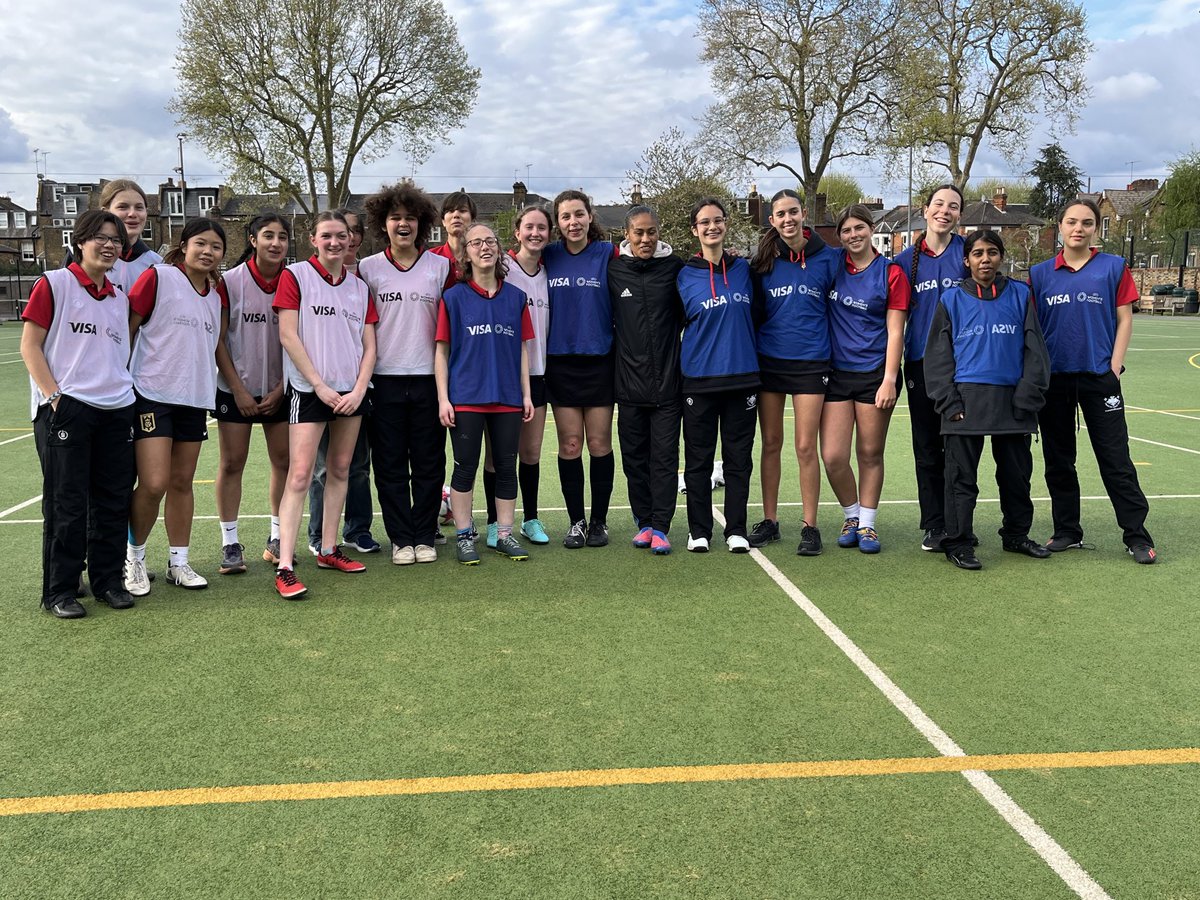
<point>83,328</point>
<point>324,311</point>
<point>254,317</point>
<point>562,281</point>
<point>479,329</point>
<point>1004,329</point>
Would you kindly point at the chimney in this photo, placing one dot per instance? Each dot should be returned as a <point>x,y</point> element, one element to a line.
<point>1143,184</point>
<point>874,203</point>
<point>1000,199</point>
<point>636,196</point>
<point>820,209</point>
<point>520,192</point>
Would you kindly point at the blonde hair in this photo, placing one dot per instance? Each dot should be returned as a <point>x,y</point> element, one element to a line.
<point>109,192</point>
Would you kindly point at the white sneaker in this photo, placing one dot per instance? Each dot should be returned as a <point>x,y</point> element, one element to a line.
<point>425,553</point>
<point>403,556</point>
<point>186,577</point>
<point>682,484</point>
<point>697,545</point>
<point>718,475</point>
<point>737,544</point>
<point>137,582</point>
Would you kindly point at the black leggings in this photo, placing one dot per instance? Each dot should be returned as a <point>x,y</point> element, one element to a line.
<point>466,439</point>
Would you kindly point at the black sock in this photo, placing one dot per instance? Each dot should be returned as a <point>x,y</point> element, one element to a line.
<point>489,493</point>
<point>603,469</point>
<point>570,476</point>
<point>528,477</point>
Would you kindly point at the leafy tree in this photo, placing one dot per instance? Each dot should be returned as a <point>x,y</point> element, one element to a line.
<point>1181,194</point>
<point>981,70</point>
<point>839,190</point>
<point>1058,180</point>
<point>290,94</point>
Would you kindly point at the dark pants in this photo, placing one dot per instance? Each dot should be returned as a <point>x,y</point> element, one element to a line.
<point>1099,398</point>
<point>734,415</point>
<point>466,438</point>
<point>408,445</point>
<point>649,438</point>
<point>928,449</point>
<point>87,481</point>
<point>1014,468</point>
<point>359,510</point>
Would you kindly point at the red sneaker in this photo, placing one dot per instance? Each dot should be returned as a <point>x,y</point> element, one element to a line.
<point>288,585</point>
<point>340,561</point>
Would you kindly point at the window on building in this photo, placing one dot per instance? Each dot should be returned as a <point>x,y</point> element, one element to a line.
<point>27,251</point>
<point>58,194</point>
<point>174,203</point>
<point>206,202</point>
<point>744,207</point>
<point>18,219</point>
<point>435,234</point>
<point>3,218</point>
<point>1191,260</point>
<point>148,232</point>
<point>67,238</point>
<point>1104,223</point>
<point>70,205</point>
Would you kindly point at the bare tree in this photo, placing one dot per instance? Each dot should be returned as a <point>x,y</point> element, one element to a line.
<point>292,93</point>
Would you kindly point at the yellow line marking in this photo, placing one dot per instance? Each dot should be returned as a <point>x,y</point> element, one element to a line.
<point>583,778</point>
<point>1192,360</point>
<point>16,429</point>
<point>203,481</point>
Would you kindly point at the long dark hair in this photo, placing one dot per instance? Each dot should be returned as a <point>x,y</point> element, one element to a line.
<point>768,245</point>
<point>193,228</point>
<point>916,244</point>
<point>594,233</point>
<point>257,224</point>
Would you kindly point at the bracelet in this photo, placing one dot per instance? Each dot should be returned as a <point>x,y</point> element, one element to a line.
<point>53,397</point>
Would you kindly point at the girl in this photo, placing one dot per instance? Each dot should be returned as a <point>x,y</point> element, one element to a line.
<point>987,370</point>
<point>458,212</point>
<point>531,231</point>
<point>74,345</point>
<point>720,378</point>
<point>407,440</point>
<point>866,318</point>
<point>174,324</point>
<point>579,363</point>
<point>250,383</point>
<point>482,371</point>
<point>1084,302</point>
<point>326,326</point>
<point>793,273</point>
<point>933,265</point>
<point>127,201</point>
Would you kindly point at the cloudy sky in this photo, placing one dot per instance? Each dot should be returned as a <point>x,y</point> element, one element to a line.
<point>569,96</point>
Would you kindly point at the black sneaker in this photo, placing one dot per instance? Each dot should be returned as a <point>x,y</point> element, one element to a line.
<point>1028,547</point>
<point>932,542</point>
<point>576,535</point>
<point>1144,554</point>
<point>597,535</point>
<point>810,541</point>
<point>765,532</point>
<point>1059,543</point>
<point>964,558</point>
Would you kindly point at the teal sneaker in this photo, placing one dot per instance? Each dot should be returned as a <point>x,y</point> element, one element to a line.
<point>533,530</point>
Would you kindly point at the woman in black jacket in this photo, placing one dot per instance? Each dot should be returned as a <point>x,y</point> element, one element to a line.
<point>647,320</point>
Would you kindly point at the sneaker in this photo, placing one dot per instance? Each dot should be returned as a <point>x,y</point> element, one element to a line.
<point>643,538</point>
<point>932,542</point>
<point>136,581</point>
<point>597,535</point>
<point>288,585</point>
<point>765,532</point>
<point>232,561</point>
<point>697,545</point>
<point>682,488</point>
<point>533,530</point>
<point>659,544</point>
<point>403,556</point>
<point>868,540</point>
<point>493,534</point>
<point>439,539</point>
<point>186,577</point>
<point>364,543</point>
<point>1027,547</point>
<point>737,544</point>
<point>465,549</point>
<point>271,551</point>
<point>849,535</point>
<point>717,479</point>
<point>810,541</point>
<point>1059,543</point>
<point>340,561</point>
<point>314,549</point>
<point>508,546</point>
<point>1144,554</point>
<point>964,558</point>
<point>576,535</point>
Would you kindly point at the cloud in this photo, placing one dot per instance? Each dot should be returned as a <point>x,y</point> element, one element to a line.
<point>14,145</point>
<point>1128,87</point>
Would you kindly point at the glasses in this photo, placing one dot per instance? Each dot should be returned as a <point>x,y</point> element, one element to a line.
<point>477,243</point>
<point>105,240</point>
<point>704,223</point>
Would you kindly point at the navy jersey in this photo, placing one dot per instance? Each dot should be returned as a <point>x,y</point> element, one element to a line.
<point>485,336</point>
<point>1078,311</point>
<point>718,331</point>
<point>935,274</point>
<point>988,334</point>
<point>858,310</point>
<point>795,298</point>
<point>580,308</point>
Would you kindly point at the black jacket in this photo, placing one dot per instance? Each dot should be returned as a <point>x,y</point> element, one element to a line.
<point>647,321</point>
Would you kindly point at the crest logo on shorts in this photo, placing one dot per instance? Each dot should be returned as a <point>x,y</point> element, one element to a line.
<point>225,406</point>
<point>688,401</point>
<point>752,401</point>
<point>1112,403</point>
<point>825,380</point>
<point>148,423</point>
<point>62,435</point>
<point>911,384</point>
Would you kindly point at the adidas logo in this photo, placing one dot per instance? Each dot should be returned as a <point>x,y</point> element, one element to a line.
<point>626,293</point>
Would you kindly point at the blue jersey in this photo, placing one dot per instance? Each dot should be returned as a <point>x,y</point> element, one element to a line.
<point>935,275</point>
<point>1078,312</point>
<point>858,310</point>
<point>580,308</point>
<point>795,299</point>
<point>485,345</point>
<point>718,331</point>
<point>988,334</point>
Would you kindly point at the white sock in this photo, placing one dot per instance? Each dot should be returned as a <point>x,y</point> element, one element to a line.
<point>852,511</point>
<point>274,528</point>
<point>179,556</point>
<point>866,516</point>
<point>135,551</point>
<point>229,533</point>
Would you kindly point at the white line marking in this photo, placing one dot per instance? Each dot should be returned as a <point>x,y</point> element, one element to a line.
<point>13,509</point>
<point>1157,444</point>
<point>1163,412</point>
<point>18,438</point>
<point>1051,852</point>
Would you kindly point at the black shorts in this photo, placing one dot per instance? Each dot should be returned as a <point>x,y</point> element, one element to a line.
<point>580,381</point>
<point>792,376</point>
<point>306,406</point>
<point>227,411</point>
<point>537,390</point>
<point>860,387</point>
<point>179,423</point>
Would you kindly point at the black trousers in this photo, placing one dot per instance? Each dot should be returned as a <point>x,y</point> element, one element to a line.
<point>733,415</point>
<point>1099,398</point>
<point>87,481</point>
<point>649,437</point>
<point>929,451</point>
<point>1014,468</point>
<point>408,444</point>
<point>466,437</point>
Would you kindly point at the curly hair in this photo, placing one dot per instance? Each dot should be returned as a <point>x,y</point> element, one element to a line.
<point>405,196</point>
